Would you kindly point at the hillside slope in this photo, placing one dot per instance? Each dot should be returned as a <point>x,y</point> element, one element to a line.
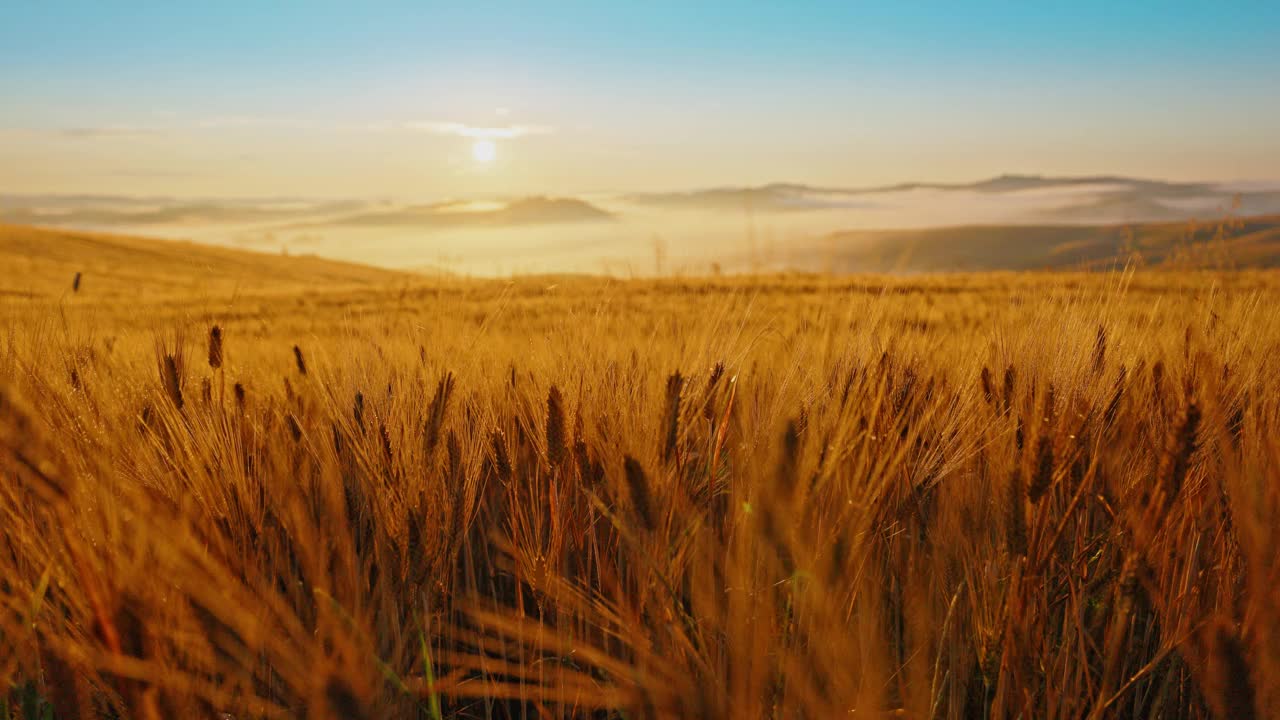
<point>1247,242</point>
<point>44,262</point>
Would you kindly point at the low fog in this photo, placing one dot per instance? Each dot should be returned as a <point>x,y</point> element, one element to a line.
<point>729,229</point>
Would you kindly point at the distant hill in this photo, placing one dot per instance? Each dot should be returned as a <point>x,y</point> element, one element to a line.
<point>778,197</point>
<point>524,211</point>
<point>1245,243</point>
<point>1084,199</point>
<point>1011,198</point>
<point>36,262</point>
<point>128,212</point>
<point>44,262</point>
<point>1021,183</point>
<point>136,214</point>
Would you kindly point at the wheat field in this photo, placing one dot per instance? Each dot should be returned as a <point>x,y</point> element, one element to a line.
<point>373,496</point>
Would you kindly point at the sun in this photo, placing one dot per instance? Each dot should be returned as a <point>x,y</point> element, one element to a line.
<point>484,151</point>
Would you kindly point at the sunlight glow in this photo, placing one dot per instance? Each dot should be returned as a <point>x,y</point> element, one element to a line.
<point>484,151</point>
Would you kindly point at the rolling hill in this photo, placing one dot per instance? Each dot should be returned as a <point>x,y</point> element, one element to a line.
<point>36,262</point>
<point>1247,242</point>
<point>523,211</point>
<point>1030,198</point>
<point>112,212</point>
<point>42,263</point>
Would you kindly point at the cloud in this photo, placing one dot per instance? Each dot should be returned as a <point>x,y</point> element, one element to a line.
<point>148,174</point>
<point>222,122</point>
<point>476,132</point>
<point>127,130</point>
<point>110,131</point>
<point>247,122</point>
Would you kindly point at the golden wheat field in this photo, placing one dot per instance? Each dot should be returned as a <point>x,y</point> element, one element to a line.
<point>237,487</point>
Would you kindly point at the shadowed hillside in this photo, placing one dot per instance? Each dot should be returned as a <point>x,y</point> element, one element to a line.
<point>1249,242</point>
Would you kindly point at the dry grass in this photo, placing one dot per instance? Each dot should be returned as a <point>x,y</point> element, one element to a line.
<point>42,262</point>
<point>1037,496</point>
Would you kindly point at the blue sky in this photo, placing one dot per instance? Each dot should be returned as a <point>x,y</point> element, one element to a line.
<point>346,98</point>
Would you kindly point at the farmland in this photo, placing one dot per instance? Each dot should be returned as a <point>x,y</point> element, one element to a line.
<point>280,487</point>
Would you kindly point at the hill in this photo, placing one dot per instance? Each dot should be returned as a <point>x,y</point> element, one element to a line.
<point>129,212</point>
<point>1248,242</point>
<point>44,262</point>
<point>1029,198</point>
<point>523,211</point>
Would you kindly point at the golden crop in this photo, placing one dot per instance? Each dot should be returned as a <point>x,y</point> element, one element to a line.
<point>1021,495</point>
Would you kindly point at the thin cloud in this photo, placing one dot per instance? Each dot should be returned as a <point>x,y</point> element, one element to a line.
<point>109,131</point>
<point>221,122</point>
<point>477,132</point>
<point>252,121</point>
<point>149,174</point>
<point>247,122</point>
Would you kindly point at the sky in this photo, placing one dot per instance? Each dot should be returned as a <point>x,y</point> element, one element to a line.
<point>425,99</point>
